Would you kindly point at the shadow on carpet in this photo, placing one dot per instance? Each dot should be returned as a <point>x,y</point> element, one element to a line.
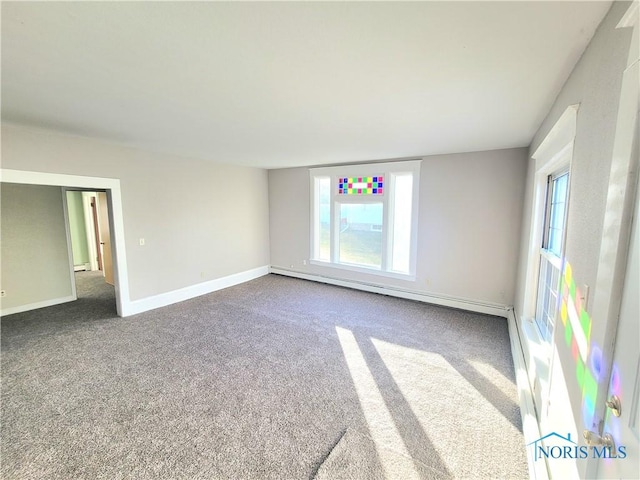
<point>357,457</point>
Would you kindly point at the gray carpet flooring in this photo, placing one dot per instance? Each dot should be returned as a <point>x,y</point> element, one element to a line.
<point>277,378</point>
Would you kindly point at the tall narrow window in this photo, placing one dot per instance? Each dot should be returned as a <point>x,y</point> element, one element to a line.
<point>322,218</point>
<point>402,201</point>
<point>551,253</point>
<point>364,217</point>
<point>558,198</point>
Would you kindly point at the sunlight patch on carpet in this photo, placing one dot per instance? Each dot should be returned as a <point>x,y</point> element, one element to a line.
<point>450,397</point>
<point>379,420</point>
<point>492,374</point>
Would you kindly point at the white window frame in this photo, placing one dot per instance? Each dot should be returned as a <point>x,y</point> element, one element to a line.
<point>390,171</point>
<point>553,260</point>
<point>555,153</point>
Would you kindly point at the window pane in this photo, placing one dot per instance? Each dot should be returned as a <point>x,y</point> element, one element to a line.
<point>557,215</point>
<point>556,220</point>
<point>555,241</point>
<point>547,297</point>
<point>323,219</point>
<point>560,188</point>
<point>401,249</point>
<point>361,234</point>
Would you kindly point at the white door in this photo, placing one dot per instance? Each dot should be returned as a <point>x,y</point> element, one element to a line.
<point>625,375</point>
<point>624,382</point>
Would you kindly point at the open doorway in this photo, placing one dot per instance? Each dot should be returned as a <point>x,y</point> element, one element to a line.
<point>87,219</point>
<point>111,187</point>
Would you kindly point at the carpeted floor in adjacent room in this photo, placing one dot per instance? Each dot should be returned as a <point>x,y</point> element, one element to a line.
<point>277,378</point>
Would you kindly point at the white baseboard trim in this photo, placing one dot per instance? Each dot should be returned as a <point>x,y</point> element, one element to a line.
<point>186,293</point>
<point>462,304</point>
<point>36,305</point>
<point>530,427</point>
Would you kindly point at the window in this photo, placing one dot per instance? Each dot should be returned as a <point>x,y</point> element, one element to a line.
<point>322,218</point>
<point>360,234</point>
<point>555,216</point>
<point>364,217</point>
<point>551,253</point>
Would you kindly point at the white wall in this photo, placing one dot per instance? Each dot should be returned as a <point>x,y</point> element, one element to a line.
<point>201,220</point>
<point>468,231</point>
<point>595,85</point>
<point>35,259</point>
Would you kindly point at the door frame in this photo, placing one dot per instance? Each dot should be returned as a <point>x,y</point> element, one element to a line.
<point>116,219</point>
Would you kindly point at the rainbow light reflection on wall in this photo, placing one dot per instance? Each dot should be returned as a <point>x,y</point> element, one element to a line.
<point>577,336</point>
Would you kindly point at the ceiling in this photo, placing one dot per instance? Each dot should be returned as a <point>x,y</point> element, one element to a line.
<point>281,84</point>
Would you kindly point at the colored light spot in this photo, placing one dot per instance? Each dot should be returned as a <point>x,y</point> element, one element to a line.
<point>567,273</point>
<point>588,411</point>
<point>589,394</point>
<point>596,362</point>
<point>568,334</point>
<point>563,313</point>
<point>615,381</point>
<point>580,373</point>
<point>581,338</point>
<point>590,389</point>
<point>572,291</point>
<point>588,331</point>
<point>574,350</point>
<point>585,322</point>
<point>578,300</point>
<point>613,426</point>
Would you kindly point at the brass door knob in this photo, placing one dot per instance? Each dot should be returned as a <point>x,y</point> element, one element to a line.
<point>593,439</point>
<point>614,405</point>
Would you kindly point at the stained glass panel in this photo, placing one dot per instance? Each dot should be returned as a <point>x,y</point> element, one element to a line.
<point>361,185</point>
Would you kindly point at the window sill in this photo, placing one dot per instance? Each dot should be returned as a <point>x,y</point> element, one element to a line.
<point>538,358</point>
<point>368,271</point>
<point>536,345</point>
